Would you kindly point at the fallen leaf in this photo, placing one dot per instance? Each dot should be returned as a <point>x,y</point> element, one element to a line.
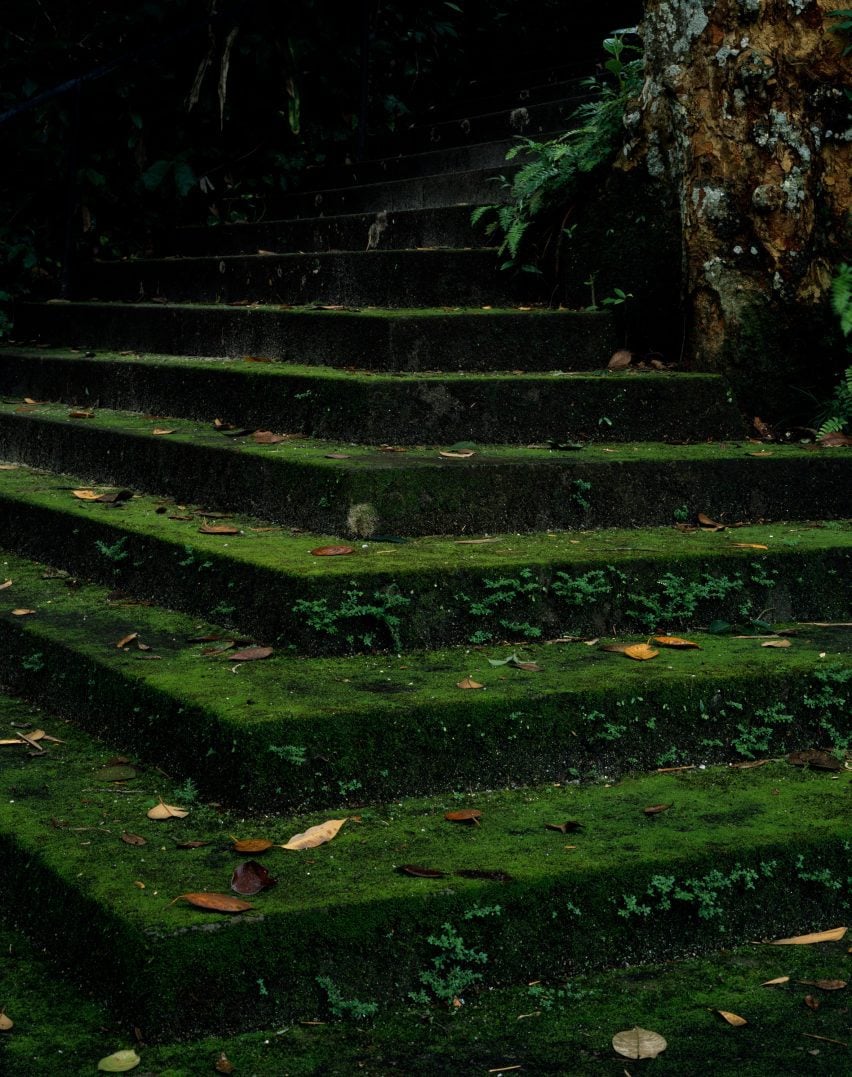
<point>811,1002</point>
<point>86,495</point>
<point>129,638</point>
<point>166,811</point>
<point>641,652</point>
<point>638,1043</point>
<point>814,757</point>
<point>81,415</point>
<point>219,529</point>
<point>250,878</point>
<point>824,985</point>
<point>709,524</point>
<point>133,839</point>
<point>620,360</point>
<point>22,612</point>
<point>224,1065</point>
<point>471,816</point>
<point>160,431</point>
<point>5,1022</point>
<point>421,873</point>
<point>777,643</point>
<point>266,437</point>
<point>732,1018</point>
<point>656,809</point>
<point>776,982</point>
<point>750,545</point>
<point>215,902</point>
<point>835,440</point>
<point>26,738</point>
<point>463,454</point>
<point>468,682</point>
<point>332,551</point>
<point>250,845</point>
<point>5,585</point>
<point>250,654</point>
<point>571,826</point>
<point>480,873</point>
<point>675,641</point>
<point>119,1062</point>
<point>835,934</point>
<point>315,835</point>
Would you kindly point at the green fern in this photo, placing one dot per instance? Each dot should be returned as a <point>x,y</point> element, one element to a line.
<point>551,171</point>
<point>841,297</point>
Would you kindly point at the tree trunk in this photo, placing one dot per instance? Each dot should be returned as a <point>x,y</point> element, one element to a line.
<point>744,113</point>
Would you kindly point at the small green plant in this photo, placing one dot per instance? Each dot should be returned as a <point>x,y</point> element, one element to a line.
<point>33,663</point>
<point>454,968</point>
<point>290,753</point>
<point>580,491</point>
<point>186,792</point>
<point>343,1007</point>
<point>504,595</point>
<point>357,617</point>
<point>115,553</point>
<point>681,514</point>
<point>836,416</point>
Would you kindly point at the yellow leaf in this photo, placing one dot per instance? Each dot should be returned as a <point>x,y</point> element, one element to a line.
<point>5,1022</point>
<point>675,641</point>
<point>160,431</point>
<point>638,1043</point>
<point>732,1018</point>
<point>85,495</point>
<point>776,982</point>
<point>469,682</point>
<point>641,652</point>
<point>22,613</point>
<point>167,811</point>
<point>750,545</point>
<point>833,935</point>
<point>315,835</point>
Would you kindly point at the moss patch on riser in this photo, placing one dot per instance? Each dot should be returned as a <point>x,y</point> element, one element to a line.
<point>568,1024</point>
<point>429,592</point>
<point>418,492</point>
<point>445,339</point>
<point>739,855</point>
<point>321,402</point>
<point>288,732</point>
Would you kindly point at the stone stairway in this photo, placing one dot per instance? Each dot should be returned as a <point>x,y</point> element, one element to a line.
<point>324,517</point>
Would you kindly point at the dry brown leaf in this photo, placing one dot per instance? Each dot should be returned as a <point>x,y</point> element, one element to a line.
<point>5,585</point>
<point>315,835</point>
<point>22,612</point>
<point>776,982</point>
<point>640,652</point>
<point>129,638</point>
<point>250,654</point>
<point>571,826</point>
<point>471,816</point>
<point>732,1018</point>
<point>215,902</point>
<point>811,1002</point>
<point>708,523</point>
<point>620,360</point>
<point>675,641</point>
<point>86,495</point>
<point>266,437</point>
<point>462,454</point>
<point>81,415</point>
<point>219,529</point>
<point>763,453</point>
<point>777,643</point>
<point>166,811</point>
<point>468,683</point>
<point>824,985</point>
<point>160,431</point>
<point>5,1022</point>
<point>835,934</point>
<point>638,1042</point>
<point>250,845</point>
<point>750,545</point>
<point>223,1063</point>
<point>835,440</point>
<point>133,839</point>
<point>332,551</point>
<point>250,878</point>
<point>814,757</point>
<point>656,809</point>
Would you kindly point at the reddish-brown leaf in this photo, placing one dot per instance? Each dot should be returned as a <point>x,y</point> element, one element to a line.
<point>570,826</point>
<point>825,985</point>
<point>709,524</point>
<point>266,437</point>
<point>811,1002</point>
<point>471,816</point>
<point>656,809</point>
<point>251,654</point>
<point>129,638</point>
<point>81,415</point>
<point>196,844</point>
<point>421,873</point>
<point>224,1065</point>
<point>219,529</point>
<point>332,551</point>
<point>215,902</point>
<point>620,360</point>
<point>250,878</point>
<point>835,440</point>
<point>814,757</point>
<point>133,839</point>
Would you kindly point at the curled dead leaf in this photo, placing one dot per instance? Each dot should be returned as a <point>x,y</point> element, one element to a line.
<point>469,683</point>
<point>419,872</point>
<point>195,844</point>
<point>332,551</point>
<point>780,644</point>
<point>5,585</point>
<point>638,1042</point>
<point>166,811</point>
<point>675,641</point>
<point>749,546</point>
<point>776,982</point>
<point>250,654</point>
<point>834,934</point>
<point>811,1002</point>
<point>119,1062</point>
<point>250,878</point>
<point>709,524</point>
<point>315,835</point>
<point>160,431</point>
<point>570,826</point>
<point>640,652</point>
<point>825,985</point>
<point>129,638</point>
<point>133,839</point>
<point>470,816</point>
<point>86,495</point>
<point>215,902</point>
<point>835,440</point>
<point>462,454</point>
<point>250,845</point>
<point>732,1018</point>
<point>22,612</point>
<point>656,809</point>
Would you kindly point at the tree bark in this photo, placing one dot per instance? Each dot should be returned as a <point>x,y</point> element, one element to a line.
<point>744,113</point>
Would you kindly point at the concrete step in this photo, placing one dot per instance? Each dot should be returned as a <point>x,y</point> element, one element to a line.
<point>398,230</point>
<point>428,592</point>
<point>444,338</point>
<point>363,407</point>
<point>305,483</point>
<point>369,278</point>
<point>735,857</point>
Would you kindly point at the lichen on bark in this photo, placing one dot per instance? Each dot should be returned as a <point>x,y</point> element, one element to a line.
<point>744,113</point>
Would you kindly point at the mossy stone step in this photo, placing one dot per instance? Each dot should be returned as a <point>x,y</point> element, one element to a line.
<point>380,278</point>
<point>738,855</point>
<point>429,592</point>
<point>304,483</point>
<point>287,731</point>
<point>366,407</point>
<point>446,226</point>
<point>419,339</point>
<point>561,1027</point>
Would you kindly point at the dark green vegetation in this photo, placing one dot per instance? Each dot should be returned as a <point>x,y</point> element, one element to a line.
<point>192,638</point>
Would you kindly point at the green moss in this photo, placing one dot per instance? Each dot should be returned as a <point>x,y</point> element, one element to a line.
<point>756,846</point>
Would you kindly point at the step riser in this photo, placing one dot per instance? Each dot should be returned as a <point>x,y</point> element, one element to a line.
<point>376,412</point>
<point>437,608</point>
<point>455,342</point>
<point>401,230</point>
<point>374,278</point>
<point>432,499</point>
